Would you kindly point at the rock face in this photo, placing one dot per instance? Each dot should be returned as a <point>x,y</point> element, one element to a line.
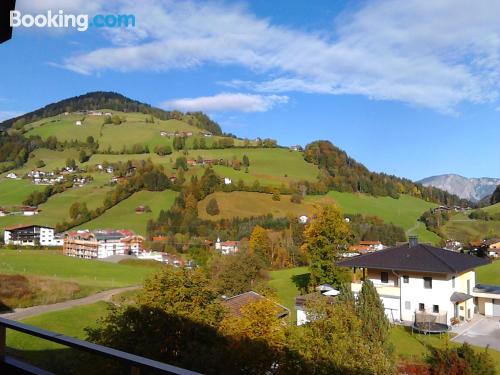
<point>473,189</point>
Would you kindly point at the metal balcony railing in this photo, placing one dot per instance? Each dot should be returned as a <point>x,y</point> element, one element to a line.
<point>136,363</point>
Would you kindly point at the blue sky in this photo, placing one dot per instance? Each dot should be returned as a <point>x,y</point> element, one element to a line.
<point>408,88</point>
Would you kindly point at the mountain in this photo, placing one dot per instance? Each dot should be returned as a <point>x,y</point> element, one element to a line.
<point>473,189</point>
<point>109,100</point>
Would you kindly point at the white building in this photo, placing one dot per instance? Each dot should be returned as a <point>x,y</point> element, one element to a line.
<point>227,247</point>
<point>303,219</point>
<point>12,176</point>
<point>227,181</point>
<point>78,123</point>
<point>325,291</point>
<point>30,235</point>
<point>102,243</point>
<point>414,279</point>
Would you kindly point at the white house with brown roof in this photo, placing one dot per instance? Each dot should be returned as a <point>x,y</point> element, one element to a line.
<point>227,247</point>
<point>416,279</point>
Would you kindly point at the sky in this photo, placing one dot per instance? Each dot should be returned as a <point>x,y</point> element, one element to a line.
<point>409,88</point>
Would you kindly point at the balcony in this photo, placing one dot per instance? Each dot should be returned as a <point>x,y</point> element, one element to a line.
<point>137,365</point>
<point>384,290</point>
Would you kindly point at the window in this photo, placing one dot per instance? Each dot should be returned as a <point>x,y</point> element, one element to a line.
<point>468,286</point>
<point>421,306</point>
<point>453,282</point>
<point>384,277</point>
<point>407,305</point>
<point>428,282</point>
<point>406,279</point>
<point>435,309</point>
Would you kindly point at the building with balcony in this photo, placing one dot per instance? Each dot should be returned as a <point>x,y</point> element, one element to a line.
<point>30,235</point>
<point>101,243</point>
<point>416,279</point>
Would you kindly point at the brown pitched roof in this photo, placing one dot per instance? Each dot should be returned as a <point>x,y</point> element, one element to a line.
<point>420,257</point>
<point>22,226</point>
<point>234,304</point>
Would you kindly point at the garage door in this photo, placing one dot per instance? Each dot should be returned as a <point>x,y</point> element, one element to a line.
<point>496,307</point>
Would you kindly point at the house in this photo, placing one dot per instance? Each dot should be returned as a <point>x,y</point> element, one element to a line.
<point>487,299</point>
<point>227,181</point>
<point>415,279</point>
<point>453,245</point>
<point>140,209</point>
<point>296,148</point>
<point>78,123</point>
<point>110,169</point>
<point>101,243</point>
<point>206,133</point>
<point>325,291</point>
<point>303,219</point>
<point>493,247</point>
<point>30,235</point>
<point>234,304</point>
<point>227,247</point>
<point>3,212</point>
<point>29,211</point>
<point>191,162</point>
<point>12,176</point>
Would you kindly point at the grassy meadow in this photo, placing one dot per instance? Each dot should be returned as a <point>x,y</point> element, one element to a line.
<point>94,274</point>
<point>403,212</point>
<point>123,216</point>
<point>461,228</point>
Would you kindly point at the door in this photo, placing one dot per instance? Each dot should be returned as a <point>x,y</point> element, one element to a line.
<point>496,307</point>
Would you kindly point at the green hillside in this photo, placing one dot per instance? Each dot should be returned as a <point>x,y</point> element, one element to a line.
<point>492,209</point>
<point>403,212</point>
<point>123,215</point>
<point>464,229</point>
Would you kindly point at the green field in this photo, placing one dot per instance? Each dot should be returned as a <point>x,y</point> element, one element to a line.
<point>489,274</point>
<point>123,216</point>
<point>56,209</point>
<point>286,288</point>
<point>492,209</point>
<point>94,274</point>
<point>134,131</point>
<point>14,192</point>
<point>403,212</point>
<point>248,204</point>
<point>463,229</point>
<point>48,355</point>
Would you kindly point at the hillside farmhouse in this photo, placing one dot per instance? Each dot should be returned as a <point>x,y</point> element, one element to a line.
<point>417,279</point>
<point>102,243</point>
<point>227,247</point>
<point>31,235</point>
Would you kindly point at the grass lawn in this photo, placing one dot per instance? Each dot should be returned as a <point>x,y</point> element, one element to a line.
<point>247,204</point>
<point>56,209</point>
<point>403,212</point>
<point>52,356</point>
<point>415,347</point>
<point>123,216</point>
<point>14,192</point>
<point>270,166</point>
<point>94,274</point>
<point>286,288</point>
<point>461,228</point>
<point>489,274</point>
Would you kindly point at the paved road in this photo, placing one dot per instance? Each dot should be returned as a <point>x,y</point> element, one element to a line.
<point>26,312</point>
<point>483,331</point>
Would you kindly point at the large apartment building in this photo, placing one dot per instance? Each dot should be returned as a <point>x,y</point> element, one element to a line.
<point>102,243</point>
<point>31,235</point>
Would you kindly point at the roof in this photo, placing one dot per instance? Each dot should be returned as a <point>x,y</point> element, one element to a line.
<point>460,297</point>
<point>370,243</point>
<point>102,236</point>
<point>23,226</point>
<point>234,304</point>
<point>420,258</point>
<point>230,243</point>
<point>484,288</point>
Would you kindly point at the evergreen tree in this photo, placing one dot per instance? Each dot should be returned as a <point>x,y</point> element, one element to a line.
<point>212,207</point>
<point>495,197</point>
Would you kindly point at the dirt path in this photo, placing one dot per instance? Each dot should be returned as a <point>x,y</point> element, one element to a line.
<point>26,312</point>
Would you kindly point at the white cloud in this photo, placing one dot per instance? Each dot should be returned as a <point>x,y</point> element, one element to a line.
<point>227,102</point>
<point>435,54</point>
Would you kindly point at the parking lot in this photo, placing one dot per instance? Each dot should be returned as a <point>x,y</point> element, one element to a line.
<point>482,331</point>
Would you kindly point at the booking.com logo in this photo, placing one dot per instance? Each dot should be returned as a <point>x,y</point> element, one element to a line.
<point>80,22</point>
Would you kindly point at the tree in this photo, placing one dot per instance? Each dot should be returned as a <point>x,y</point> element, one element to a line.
<point>276,195</point>
<point>495,197</point>
<point>296,198</point>
<point>40,163</point>
<point>460,360</point>
<point>82,157</point>
<point>70,163</point>
<point>181,163</point>
<point>260,244</point>
<point>334,342</point>
<point>212,207</point>
<point>246,161</point>
<point>325,239</point>
<point>236,273</point>
<point>74,210</point>
<point>371,312</point>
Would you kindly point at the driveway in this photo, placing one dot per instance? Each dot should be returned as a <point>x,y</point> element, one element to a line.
<point>482,331</point>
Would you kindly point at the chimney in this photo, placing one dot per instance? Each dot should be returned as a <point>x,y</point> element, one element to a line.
<point>412,241</point>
